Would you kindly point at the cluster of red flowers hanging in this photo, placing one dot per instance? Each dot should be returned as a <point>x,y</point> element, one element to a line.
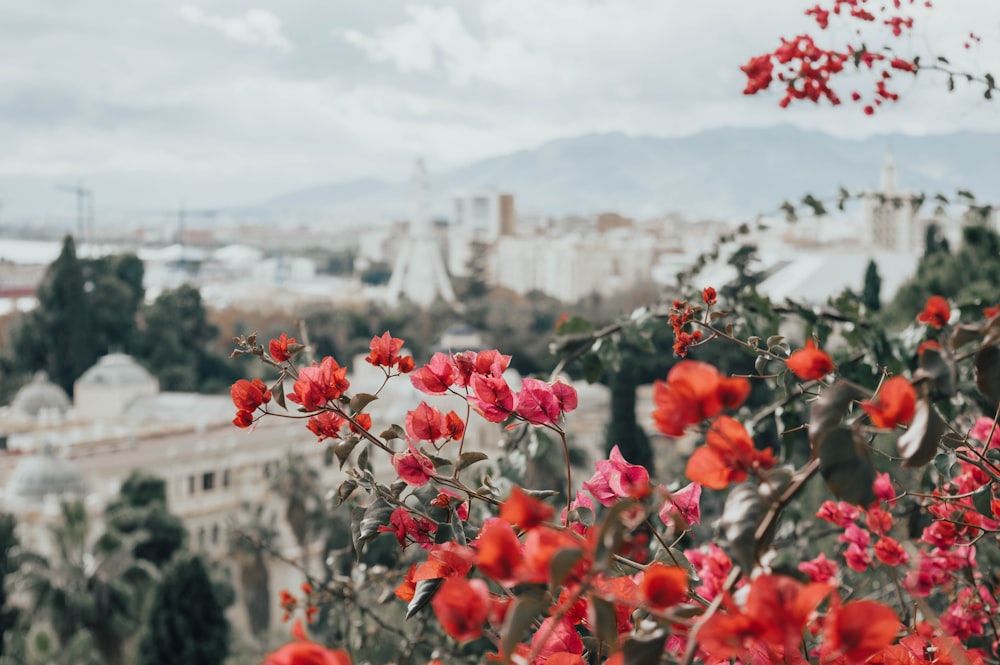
<point>807,71</point>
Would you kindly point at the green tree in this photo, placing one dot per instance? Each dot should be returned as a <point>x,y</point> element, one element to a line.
<point>58,335</point>
<point>141,512</point>
<point>176,336</point>
<point>186,624</point>
<point>624,430</point>
<point>871,295</point>
<point>934,241</point>
<point>8,565</point>
<point>93,587</point>
<point>114,295</point>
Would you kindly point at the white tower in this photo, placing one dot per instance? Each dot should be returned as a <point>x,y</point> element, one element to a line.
<point>891,224</point>
<point>419,273</point>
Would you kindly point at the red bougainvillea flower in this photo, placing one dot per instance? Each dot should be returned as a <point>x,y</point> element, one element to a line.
<point>462,607</point>
<point>541,544</point>
<point>435,377</point>
<point>615,478</point>
<point>413,466</point>
<point>537,403</point>
<point>709,295</point>
<point>499,552</point>
<point>364,422</point>
<point>445,560</point>
<point>685,503</point>
<point>384,350</point>
<point>306,652</point>
<point>326,425</point>
<point>727,456</point>
<point>409,529</point>
<point>693,392</point>
<point>319,384</point>
<point>663,586</point>
<point>810,363</point>
<point>858,630</point>
<point>890,552</point>
<point>524,511</point>
<point>279,348</point>
<point>777,610</point>
<point>248,396</point>
<point>895,404</point>
<point>937,312</point>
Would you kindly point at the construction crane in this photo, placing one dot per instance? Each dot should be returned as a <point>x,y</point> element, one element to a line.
<point>82,196</point>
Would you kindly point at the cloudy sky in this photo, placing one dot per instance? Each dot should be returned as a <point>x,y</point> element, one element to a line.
<point>154,103</point>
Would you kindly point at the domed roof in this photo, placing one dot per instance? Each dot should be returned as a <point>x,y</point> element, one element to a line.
<point>38,476</point>
<point>39,395</point>
<point>116,369</point>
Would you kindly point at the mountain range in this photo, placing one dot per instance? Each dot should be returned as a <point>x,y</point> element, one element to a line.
<point>720,172</point>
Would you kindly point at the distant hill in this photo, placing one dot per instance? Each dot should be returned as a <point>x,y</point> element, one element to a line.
<point>718,172</point>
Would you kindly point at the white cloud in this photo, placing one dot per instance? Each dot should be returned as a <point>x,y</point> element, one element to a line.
<point>257,27</point>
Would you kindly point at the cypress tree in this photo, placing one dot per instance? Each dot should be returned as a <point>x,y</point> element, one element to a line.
<point>186,624</point>
<point>871,294</point>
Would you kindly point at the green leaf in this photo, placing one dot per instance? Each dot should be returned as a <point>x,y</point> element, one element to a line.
<point>829,410</point>
<point>467,459</point>
<point>517,621</point>
<point>938,370</point>
<point>846,466</point>
<point>645,650</point>
<point>424,592</point>
<point>604,621</point>
<point>561,564</point>
<point>988,372</point>
<point>919,444</point>
<point>943,59</point>
<point>394,432</point>
<point>965,333</point>
<point>943,462</point>
<point>344,448</point>
<point>741,515</point>
<point>575,326</point>
<point>345,490</point>
<point>966,194</point>
<point>376,514</point>
<point>982,499</point>
<point>278,392</point>
<point>361,400</point>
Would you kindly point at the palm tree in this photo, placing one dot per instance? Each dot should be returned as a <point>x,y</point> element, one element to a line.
<point>297,482</point>
<point>250,538</point>
<point>91,587</point>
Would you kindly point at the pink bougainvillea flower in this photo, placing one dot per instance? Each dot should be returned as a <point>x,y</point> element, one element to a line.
<point>413,466</point>
<point>615,478</point>
<point>435,377</point>
<point>492,398</point>
<point>319,384</point>
<point>981,432</point>
<point>536,402</point>
<point>685,503</point>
